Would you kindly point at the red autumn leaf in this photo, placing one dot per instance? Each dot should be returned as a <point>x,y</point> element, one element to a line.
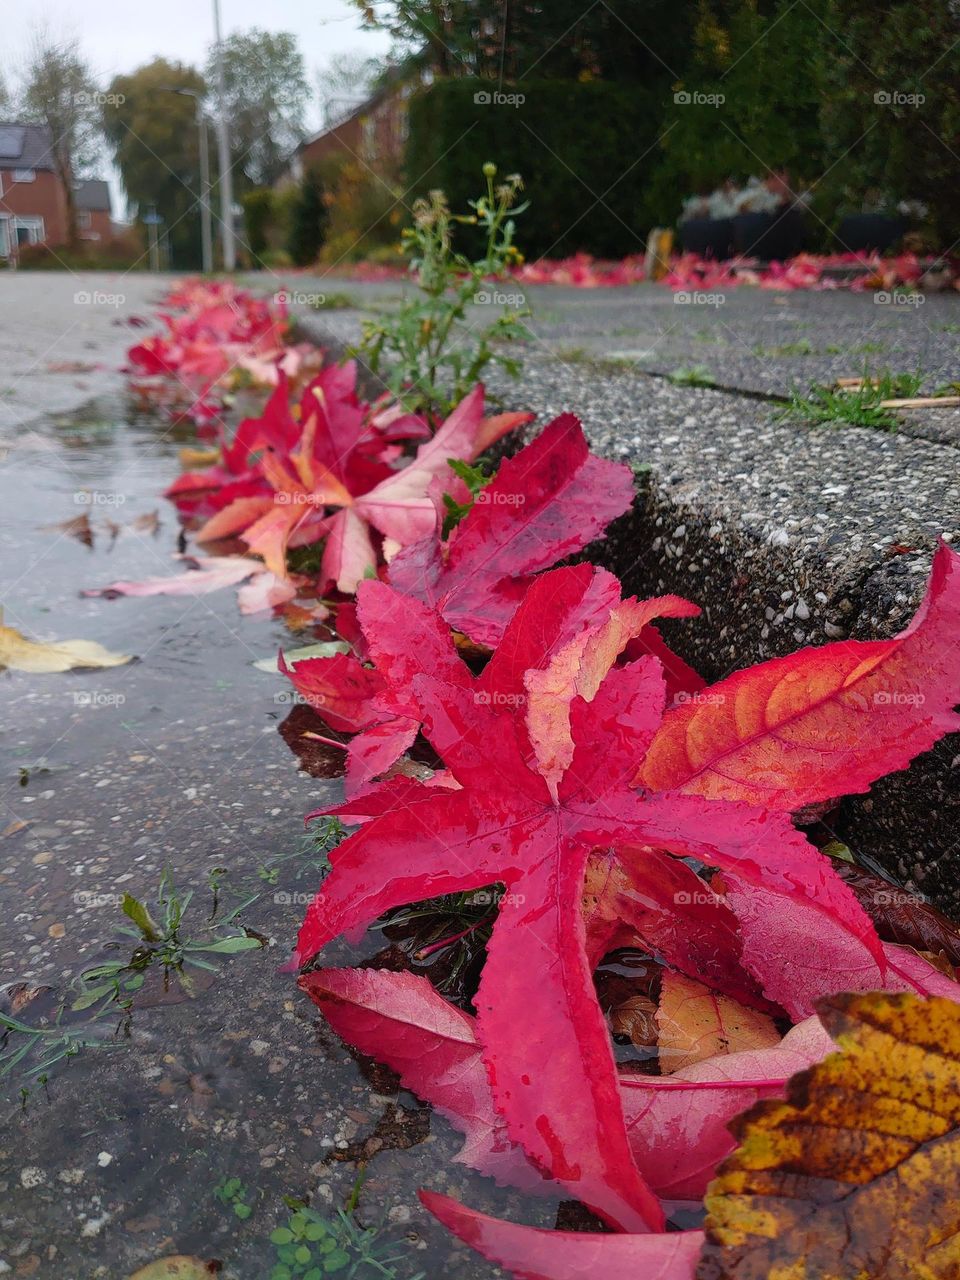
<point>545,503</point>
<point>531,1253</point>
<point>792,732</point>
<point>644,898</point>
<point>421,644</point>
<point>402,1021</point>
<point>325,471</point>
<point>776,929</point>
<point>677,1125</point>
<point>383,712</point>
<point>521,820</point>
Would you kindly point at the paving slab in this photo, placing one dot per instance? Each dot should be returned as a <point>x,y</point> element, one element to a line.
<point>767,341</point>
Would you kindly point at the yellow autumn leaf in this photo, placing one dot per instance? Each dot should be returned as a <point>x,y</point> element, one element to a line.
<point>856,1176</point>
<point>178,1267</point>
<point>190,457</point>
<point>21,654</point>
<point>695,1023</point>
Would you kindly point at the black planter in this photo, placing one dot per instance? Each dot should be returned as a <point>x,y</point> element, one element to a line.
<point>773,237</point>
<point>860,232</point>
<point>708,237</point>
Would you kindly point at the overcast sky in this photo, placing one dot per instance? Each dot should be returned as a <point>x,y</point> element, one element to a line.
<point>119,35</point>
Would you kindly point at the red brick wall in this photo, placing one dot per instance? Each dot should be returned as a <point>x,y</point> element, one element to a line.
<point>41,198</point>
<point>375,135</point>
<point>345,137</point>
<point>99,228</point>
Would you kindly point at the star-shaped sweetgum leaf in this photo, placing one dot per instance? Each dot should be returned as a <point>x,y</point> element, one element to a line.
<point>543,748</point>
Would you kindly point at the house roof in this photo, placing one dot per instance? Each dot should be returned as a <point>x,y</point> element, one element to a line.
<point>93,194</point>
<point>25,146</point>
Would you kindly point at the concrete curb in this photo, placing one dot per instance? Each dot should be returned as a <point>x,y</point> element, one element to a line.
<point>785,536</point>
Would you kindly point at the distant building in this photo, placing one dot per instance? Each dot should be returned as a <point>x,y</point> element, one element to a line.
<point>33,203</point>
<point>92,198</point>
<point>373,132</point>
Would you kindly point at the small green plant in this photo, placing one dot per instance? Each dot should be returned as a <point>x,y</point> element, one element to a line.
<point>309,856</point>
<point>39,1048</point>
<point>696,375</point>
<point>232,1194</point>
<point>858,406</point>
<point>312,1246</point>
<point>160,941</point>
<point>423,351</point>
<point>475,478</point>
<point>802,347</point>
<point>333,302</point>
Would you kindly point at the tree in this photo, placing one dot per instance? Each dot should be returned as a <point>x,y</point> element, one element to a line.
<point>640,40</point>
<point>154,137</point>
<point>60,93</point>
<point>266,92</point>
<point>344,79</point>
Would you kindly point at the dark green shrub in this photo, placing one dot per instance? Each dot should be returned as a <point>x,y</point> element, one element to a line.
<point>884,143</point>
<point>580,148</point>
<point>258,213</point>
<point>308,220</point>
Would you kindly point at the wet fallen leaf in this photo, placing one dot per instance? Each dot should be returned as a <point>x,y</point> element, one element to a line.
<point>695,1023</point>
<point>178,1267</point>
<point>322,649</point>
<point>901,916</point>
<point>191,457</point>
<point>13,827</point>
<point>70,366</point>
<point>21,654</point>
<point>78,527</point>
<point>635,1017</point>
<point>149,522</point>
<point>857,1173</point>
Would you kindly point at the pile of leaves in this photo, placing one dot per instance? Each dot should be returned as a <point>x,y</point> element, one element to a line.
<point>321,469</point>
<point>609,800</point>
<point>857,272</point>
<point>216,336</point>
<point>854,271</point>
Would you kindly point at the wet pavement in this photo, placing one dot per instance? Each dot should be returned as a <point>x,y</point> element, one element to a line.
<point>110,778</point>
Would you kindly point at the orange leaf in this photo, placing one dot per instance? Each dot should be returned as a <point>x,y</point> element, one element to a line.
<point>791,732</point>
<point>695,1023</point>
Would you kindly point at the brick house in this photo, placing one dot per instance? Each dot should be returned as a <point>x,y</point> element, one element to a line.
<point>33,205</point>
<point>92,198</point>
<point>374,132</point>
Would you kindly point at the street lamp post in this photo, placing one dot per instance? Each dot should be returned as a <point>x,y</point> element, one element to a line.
<point>206,231</point>
<point>223,140</point>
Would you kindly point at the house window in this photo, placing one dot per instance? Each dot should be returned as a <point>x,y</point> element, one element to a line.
<point>24,175</point>
<point>4,238</point>
<point>83,220</point>
<point>28,230</point>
